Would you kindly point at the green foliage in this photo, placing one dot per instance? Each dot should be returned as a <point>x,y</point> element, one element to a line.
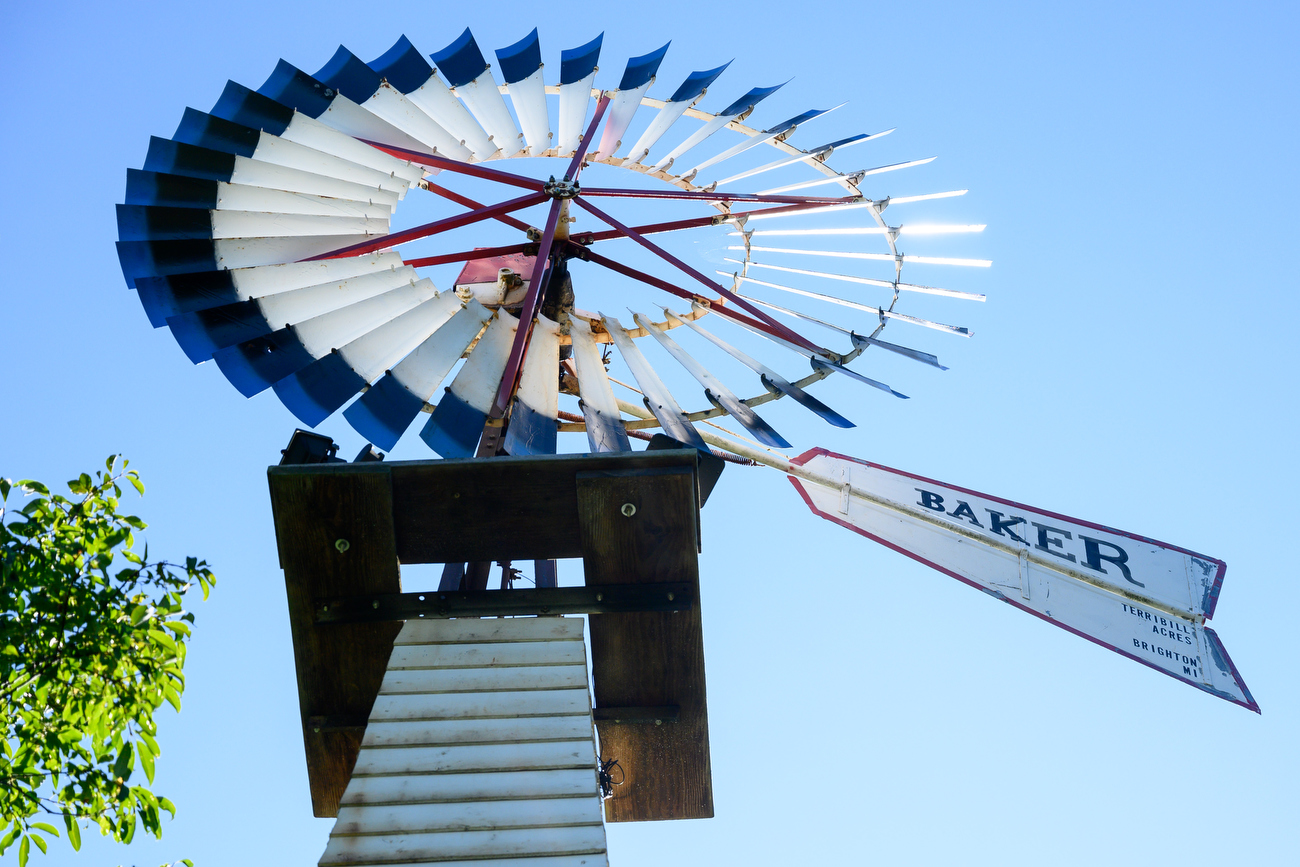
<point>88,653</point>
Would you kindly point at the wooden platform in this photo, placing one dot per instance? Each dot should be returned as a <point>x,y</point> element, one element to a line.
<point>343,529</point>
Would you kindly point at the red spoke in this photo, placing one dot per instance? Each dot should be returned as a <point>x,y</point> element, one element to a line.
<point>693,223</point>
<point>434,161</point>
<point>586,255</point>
<point>575,165</point>
<point>786,333</point>
<point>433,228</point>
<point>701,196</point>
<point>467,255</point>
<point>470,203</point>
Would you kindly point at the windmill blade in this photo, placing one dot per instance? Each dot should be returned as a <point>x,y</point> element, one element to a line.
<point>903,200</point>
<point>161,258</point>
<point>521,67</point>
<point>824,364</point>
<point>179,191</point>
<point>219,134</point>
<point>623,103</point>
<point>605,430</point>
<point>870,230</point>
<point>457,422</point>
<point>914,354</point>
<point>249,108</point>
<point>536,411</point>
<point>406,69</point>
<point>150,223</point>
<point>202,333</point>
<point>294,88</point>
<point>356,80</point>
<point>818,153</point>
<point>691,91</point>
<point>770,378</point>
<point>658,399</point>
<point>1109,586</point>
<point>314,392</point>
<point>877,311</point>
<point>255,365</point>
<point>716,392</point>
<point>386,410</point>
<point>875,257</point>
<point>176,158</point>
<point>167,296</point>
<point>467,72</point>
<point>868,281</point>
<point>858,175</point>
<point>739,108</point>
<point>782,130</point>
<point>577,72</point>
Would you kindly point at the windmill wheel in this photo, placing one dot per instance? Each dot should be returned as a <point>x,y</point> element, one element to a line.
<point>261,233</point>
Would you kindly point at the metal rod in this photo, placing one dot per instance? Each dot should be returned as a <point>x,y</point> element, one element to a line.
<point>433,228</point>
<point>434,605</point>
<point>467,255</point>
<point>781,330</point>
<point>692,223</point>
<point>436,162</point>
<point>470,203</point>
<point>719,197</point>
<point>575,165</point>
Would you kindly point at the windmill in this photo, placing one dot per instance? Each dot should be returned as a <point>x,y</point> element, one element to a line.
<point>457,724</point>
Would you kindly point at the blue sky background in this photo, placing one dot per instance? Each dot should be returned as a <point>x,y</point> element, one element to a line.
<point>1135,164</point>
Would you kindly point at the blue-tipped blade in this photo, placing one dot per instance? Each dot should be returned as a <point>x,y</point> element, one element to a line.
<point>530,432</point>
<point>749,100</point>
<point>642,69</point>
<point>383,413</point>
<point>317,390</point>
<point>696,82</point>
<point>290,86</point>
<point>460,62</point>
<point>349,75</point>
<point>796,120</point>
<point>250,108</point>
<point>806,400</point>
<point>159,258</point>
<point>164,297</point>
<point>820,364</point>
<point>202,332</point>
<point>147,223</point>
<point>255,365</point>
<point>403,67</point>
<point>172,191</point>
<point>520,60</point>
<point>454,429</point>
<point>176,158</point>
<point>577,63</point>
<point>206,130</point>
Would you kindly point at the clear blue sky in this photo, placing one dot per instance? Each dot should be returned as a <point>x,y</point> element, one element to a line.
<point>1136,165</point>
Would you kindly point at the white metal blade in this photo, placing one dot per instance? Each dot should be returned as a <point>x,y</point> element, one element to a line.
<point>860,174</point>
<point>533,418</point>
<point>878,257</point>
<point>483,98</point>
<point>282,152</point>
<point>659,400</point>
<point>868,281</point>
<point>392,105</point>
<point>299,305</point>
<point>605,431</point>
<point>575,99</point>
<point>529,99</point>
<point>424,369</point>
<point>438,102</point>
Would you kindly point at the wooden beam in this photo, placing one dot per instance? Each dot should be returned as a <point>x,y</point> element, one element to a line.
<point>638,527</point>
<point>335,535</point>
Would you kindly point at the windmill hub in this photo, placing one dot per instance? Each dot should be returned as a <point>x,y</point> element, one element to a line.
<point>561,189</point>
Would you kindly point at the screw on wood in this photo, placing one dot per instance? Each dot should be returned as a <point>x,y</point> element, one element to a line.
<point>342,545</point>
<point>628,510</point>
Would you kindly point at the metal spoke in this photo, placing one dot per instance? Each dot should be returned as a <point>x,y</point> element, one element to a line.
<point>470,203</point>
<point>434,161</point>
<point>702,196</point>
<point>467,255</point>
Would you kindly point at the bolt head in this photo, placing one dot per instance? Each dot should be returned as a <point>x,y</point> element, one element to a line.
<point>628,510</point>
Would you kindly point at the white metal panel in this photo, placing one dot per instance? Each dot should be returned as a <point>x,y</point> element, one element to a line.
<point>575,99</point>
<point>529,99</point>
<point>254,224</point>
<point>273,279</point>
<point>320,334</point>
<point>424,369</point>
<point>667,116</point>
<point>438,788</point>
<point>282,152</point>
<point>583,860</point>
<point>256,173</point>
<point>537,403</point>
<point>488,677</point>
<point>693,139</point>
<point>605,431</point>
<point>477,382</point>
<point>437,101</point>
<point>251,252</point>
<point>373,353</point>
<point>658,399</point>
<point>310,132</point>
<point>476,771</point>
<point>346,116</point>
<point>618,117</point>
<point>485,102</point>
<point>237,197</point>
<point>389,103</point>
<point>429,733</point>
<point>298,305</point>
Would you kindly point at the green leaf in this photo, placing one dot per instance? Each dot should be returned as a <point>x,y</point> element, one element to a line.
<point>150,744</point>
<point>125,762</point>
<point>5,485</point>
<point>168,806</point>
<point>31,486</point>
<point>177,626</point>
<point>135,482</point>
<point>146,762</point>
<point>10,837</point>
<point>24,849</point>
<point>74,831</point>
<point>40,841</point>
<point>46,827</point>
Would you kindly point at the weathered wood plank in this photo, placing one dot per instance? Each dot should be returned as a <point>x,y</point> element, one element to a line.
<point>445,846</point>
<point>440,788</point>
<point>478,816</point>
<point>374,761</point>
<point>339,667</point>
<point>648,659</point>
<point>485,679</point>
<point>405,657</point>
<point>472,630</point>
<point>485,731</point>
<point>481,704</point>
<point>587,859</point>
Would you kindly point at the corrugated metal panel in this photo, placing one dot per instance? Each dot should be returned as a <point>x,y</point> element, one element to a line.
<point>480,750</point>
